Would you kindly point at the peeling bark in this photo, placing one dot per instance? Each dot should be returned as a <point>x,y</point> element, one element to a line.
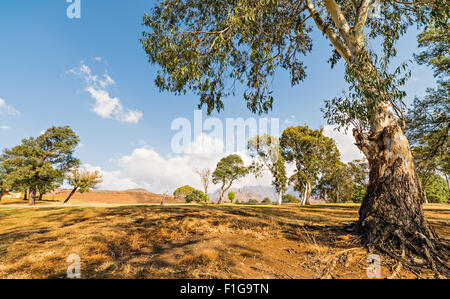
<point>391,215</point>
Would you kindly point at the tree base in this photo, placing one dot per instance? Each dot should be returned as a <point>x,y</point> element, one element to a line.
<point>391,215</point>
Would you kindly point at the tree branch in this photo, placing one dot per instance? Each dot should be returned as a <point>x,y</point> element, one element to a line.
<point>360,21</point>
<point>338,44</point>
<point>340,21</point>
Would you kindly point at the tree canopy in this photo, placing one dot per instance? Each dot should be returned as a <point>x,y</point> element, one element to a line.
<point>229,170</point>
<point>311,152</point>
<point>266,149</point>
<point>83,181</point>
<point>41,163</point>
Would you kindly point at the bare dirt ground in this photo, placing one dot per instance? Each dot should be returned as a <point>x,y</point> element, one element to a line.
<point>230,241</point>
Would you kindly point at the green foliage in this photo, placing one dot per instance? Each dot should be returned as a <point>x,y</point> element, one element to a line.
<point>83,180</point>
<point>336,183</point>
<point>40,164</point>
<point>436,40</point>
<point>266,201</point>
<point>252,201</point>
<point>267,150</point>
<point>289,198</point>
<point>310,151</point>
<point>183,192</point>
<point>207,46</point>
<point>359,191</point>
<point>229,170</point>
<point>359,172</point>
<point>428,121</point>
<point>197,196</point>
<point>437,190</point>
<point>231,196</point>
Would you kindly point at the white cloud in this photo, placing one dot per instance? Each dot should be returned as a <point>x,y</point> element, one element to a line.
<point>8,109</point>
<point>145,168</point>
<point>105,105</point>
<point>345,143</point>
<point>5,128</point>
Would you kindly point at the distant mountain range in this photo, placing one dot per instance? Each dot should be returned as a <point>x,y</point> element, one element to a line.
<point>244,194</point>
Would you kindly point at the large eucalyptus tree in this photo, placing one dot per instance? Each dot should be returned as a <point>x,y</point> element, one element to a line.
<point>207,46</point>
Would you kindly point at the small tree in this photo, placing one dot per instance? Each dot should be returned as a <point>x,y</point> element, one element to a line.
<point>267,149</point>
<point>229,170</point>
<point>205,176</point>
<point>289,198</point>
<point>3,181</point>
<point>231,196</point>
<point>183,192</point>
<point>266,201</point>
<point>312,153</point>
<point>197,196</point>
<point>83,181</point>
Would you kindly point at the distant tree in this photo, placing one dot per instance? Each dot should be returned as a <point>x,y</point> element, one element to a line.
<point>268,151</point>
<point>196,196</point>
<point>252,201</point>
<point>266,201</point>
<point>205,176</point>
<point>289,198</point>
<point>359,172</point>
<point>359,192</point>
<point>3,181</point>
<point>336,183</point>
<point>41,163</point>
<point>183,192</point>
<point>436,190</point>
<point>231,196</point>
<point>228,170</point>
<point>428,120</point>
<point>312,153</point>
<point>163,198</point>
<point>83,181</point>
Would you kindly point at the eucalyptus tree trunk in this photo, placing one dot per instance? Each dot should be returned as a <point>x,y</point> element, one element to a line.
<point>221,197</point>
<point>280,198</point>
<point>70,195</point>
<point>391,214</point>
<point>1,194</point>
<point>25,195</point>
<point>32,197</point>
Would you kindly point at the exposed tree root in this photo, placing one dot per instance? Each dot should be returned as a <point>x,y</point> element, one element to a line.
<point>391,214</point>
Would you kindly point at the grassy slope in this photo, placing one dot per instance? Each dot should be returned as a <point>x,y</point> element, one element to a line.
<point>188,241</point>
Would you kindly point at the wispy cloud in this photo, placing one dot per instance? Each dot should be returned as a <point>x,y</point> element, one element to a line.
<point>5,128</point>
<point>106,106</point>
<point>8,109</point>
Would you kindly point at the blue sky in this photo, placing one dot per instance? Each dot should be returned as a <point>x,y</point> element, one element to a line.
<point>42,50</point>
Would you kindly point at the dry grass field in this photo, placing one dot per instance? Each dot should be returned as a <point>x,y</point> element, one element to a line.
<point>145,241</point>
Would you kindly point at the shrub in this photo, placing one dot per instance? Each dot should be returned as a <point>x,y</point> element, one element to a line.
<point>289,198</point>
<point>197,196</point>
<point>252,202</point>
<point>436,190</point>
<point>231,196</point>
<point>266,201</point>
<point>183,192</point>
